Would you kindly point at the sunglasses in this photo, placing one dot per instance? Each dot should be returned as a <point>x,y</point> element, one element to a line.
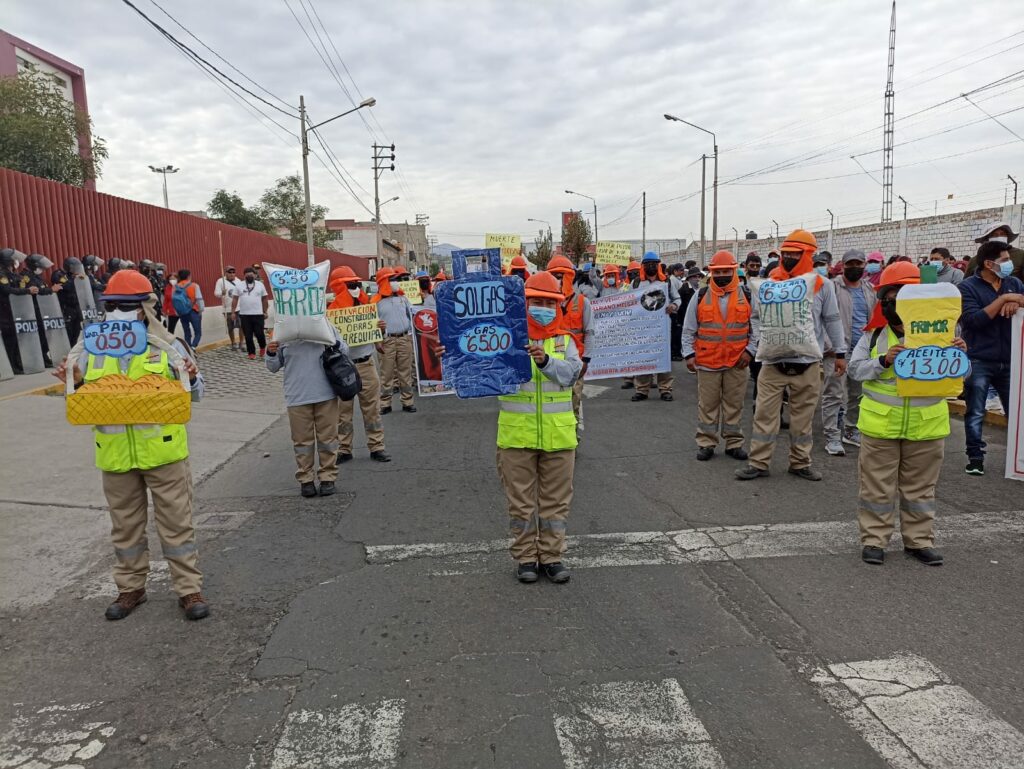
<point>122,306</point>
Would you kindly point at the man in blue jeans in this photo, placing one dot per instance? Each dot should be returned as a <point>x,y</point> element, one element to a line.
<point>990,298</point>
<point>192,319</point>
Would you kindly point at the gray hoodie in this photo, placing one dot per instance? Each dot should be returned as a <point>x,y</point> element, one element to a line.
<point>304,379</point>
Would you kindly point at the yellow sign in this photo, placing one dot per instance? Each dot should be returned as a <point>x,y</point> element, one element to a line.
<point>929,314</point>
<point>356,325</point>
<point>511,246</point>
<point>618,254</point>
<point>411,289</point>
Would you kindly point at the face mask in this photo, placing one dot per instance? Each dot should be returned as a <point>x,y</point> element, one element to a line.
<point>424,285</point>
<point>890,314</point>
<point>822,270</point>
<point>937,264</point>
<point>38,270</point>
<point>393,284</point>
<point>159,273</point>
<point>1005,268</point>
<point>722,280</point>
<point>789,263</point>
<point>650,270</point>
<point>853,274</point>
<point>694,282</point>
<point>873,268</point>
<point>122,315</point>
<point>250,279</point>
<point>1000,239</point>
<point>742,272</point>
<point>545,316</point>
<point>354,292</point>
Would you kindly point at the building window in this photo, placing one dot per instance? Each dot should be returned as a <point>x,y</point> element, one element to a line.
<point>61,83</point>
<point>23,63</point>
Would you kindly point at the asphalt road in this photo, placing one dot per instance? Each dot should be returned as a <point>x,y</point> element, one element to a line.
<point>384,628</point>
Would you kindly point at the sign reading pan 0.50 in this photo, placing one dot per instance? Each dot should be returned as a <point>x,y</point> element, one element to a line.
<point>116,338</point>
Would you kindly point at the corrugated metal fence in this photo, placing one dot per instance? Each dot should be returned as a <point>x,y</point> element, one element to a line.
<point>58,221</point>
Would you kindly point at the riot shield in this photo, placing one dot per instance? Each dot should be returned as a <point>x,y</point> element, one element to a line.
<point>86,301</point>
<point>25,326</point>
<point>53,326</point>
<point>6,370</point>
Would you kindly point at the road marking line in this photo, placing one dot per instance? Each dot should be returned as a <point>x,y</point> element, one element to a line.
<point>645,724</point>
<point>364,736</point>
<point>52,735</point>
<point>714,543</point>
<point>592,391</point>
<point>912,714</point>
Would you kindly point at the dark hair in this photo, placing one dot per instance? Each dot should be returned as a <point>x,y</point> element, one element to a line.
<point>184,274</point>
<point>690,263</point>
<point>991,250</point>
<point>943,252</point>
<point>247,270</point>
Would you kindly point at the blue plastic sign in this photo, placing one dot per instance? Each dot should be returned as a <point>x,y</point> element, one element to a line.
<point>931,363</point>
<point>780,291</point>
<point>116,338</point>
<point>481,318</point>
<point>294,278</point>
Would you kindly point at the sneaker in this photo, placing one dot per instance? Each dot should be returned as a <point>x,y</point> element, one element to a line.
<point>263,352</point>
<point>750,472</point>
<point>929,556</point>
<point>666,396</point>
<point>125,604</point>
<point>639,397</point>
<point>327,488</point>
<point>807,473</point>
<point>252,356</point>
<point>737,453</point>
<point>385,410</point>
<point>308,489</point>
<point>527,573</point>
<point>873,555</point>
<point>975,467</point>
<point>409,409</point>
<point>194,606</point>
<point>704,453</point>
<point>344,456</point>
<point>380,456</point>
<point>556,572</point>
<point>835,448</point>
<point>851,436</point>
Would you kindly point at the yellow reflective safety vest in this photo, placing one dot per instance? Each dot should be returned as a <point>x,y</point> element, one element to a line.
<point>120,448</point>
<point>540,415</point>
<point>884,414</point>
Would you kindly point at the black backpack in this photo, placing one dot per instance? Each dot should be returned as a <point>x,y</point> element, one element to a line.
<point>341,372</point>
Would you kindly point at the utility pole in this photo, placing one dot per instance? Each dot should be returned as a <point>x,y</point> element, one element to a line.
<point>888,129</point>
<point>831,227</point>
<point>1007,176</point>
<point>736,241</point>
<point>164,170</point>
<point>776,233</point>
<point>380,165</point>
<point>714,205</point>
<point>905,233</point>
<point>644,231</point>
<point>703,189</point>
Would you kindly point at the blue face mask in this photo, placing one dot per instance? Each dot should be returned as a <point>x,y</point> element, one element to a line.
<point>742,272</point>
<point>545,316</point>
<point>822,270</point>
<point>873,267</point>
<point>1005,269</point>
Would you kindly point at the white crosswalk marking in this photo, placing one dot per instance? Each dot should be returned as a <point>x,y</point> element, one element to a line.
<point>364,736</point>
<point>632,725</point>
<point>916,718</point>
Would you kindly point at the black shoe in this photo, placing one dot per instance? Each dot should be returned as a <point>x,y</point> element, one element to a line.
<point>704,453</point>
<point>639,397</point>
<point>308,489</point>
<point>556,572</point>
<point>527,572</point>
<point>873,555</point>
<point>625,385</point>
<point>125,604</point>
<point>385,410</point>
<point>807,473</point>
<point>409,409</point>
<point>666,396</point>
<point>677,358</point>
<point>975,467</point>
<point>737,453</point>
<point>750,472</point>
<point>344,456</point>
<point>327,488</point>
<point>380,456</point>
<point>929,556</point>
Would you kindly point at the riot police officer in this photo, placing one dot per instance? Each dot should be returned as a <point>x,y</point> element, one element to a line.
<point>93,267</point>
<point>12,283</point>
<point>65,278</point>
<point>153,271</point>
<point>35,266</point>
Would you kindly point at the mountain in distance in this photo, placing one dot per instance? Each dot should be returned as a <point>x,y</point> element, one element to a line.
<point>444,250</point>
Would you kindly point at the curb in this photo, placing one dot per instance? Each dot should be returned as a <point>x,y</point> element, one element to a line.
<point>58,389</point>
<point>959,408</point>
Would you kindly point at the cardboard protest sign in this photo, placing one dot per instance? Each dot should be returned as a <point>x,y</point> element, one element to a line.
<point>481,317</point>
<point>786,311</point>
<point>356,325</point>
<point>428,361</point>
<point>931,367</point>
<point>618,254</point>
<point>509,245</point>
<point>411,289</point>
<point>1015,436</point>
<point>300,302</point>
<point>631,334</point>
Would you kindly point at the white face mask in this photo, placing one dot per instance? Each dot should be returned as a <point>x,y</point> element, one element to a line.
<point>122,315</point>
<point>393,284</point>
<point>354,291</point>
<point>937,264</point>
<point>38,270</point>
<point>1000,239</point>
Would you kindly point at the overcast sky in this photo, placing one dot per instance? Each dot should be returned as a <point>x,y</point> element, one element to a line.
<point>497,107</point>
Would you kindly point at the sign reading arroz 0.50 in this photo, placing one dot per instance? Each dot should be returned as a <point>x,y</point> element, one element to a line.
<point>116,338</point>
<point>481,318</point>
<point>300,302</point>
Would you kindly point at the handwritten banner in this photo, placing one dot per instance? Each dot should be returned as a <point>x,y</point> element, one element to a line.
<point>356,325</point>
<point>411,289</point>
<point>510,246</point>
<point>618,254</point>
<point>631,334</point>
<point>929,313</point>
<point>116,338</point>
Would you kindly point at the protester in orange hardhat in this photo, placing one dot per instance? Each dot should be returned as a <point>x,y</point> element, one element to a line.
<point>579,322</point>
<point>396,351</point>
<point>139,460</point>
<point>654,278</point>
<point>519,267</point>
<point>795,308</point>
<point>719,342</point>
<point>348,292</point>
<point>902,439</point>
<point>609,279</point>
<point>440,277</point>
<point>632,275</point>
<point>537,438</point>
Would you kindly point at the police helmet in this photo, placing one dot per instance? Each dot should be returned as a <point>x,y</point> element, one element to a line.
<point>37,261</point>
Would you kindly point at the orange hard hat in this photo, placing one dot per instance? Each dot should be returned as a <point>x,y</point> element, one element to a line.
<point>343,273</point>
<point>128,285</point>
<point>560,264</point>
<point>633,265</point>
<point>799,240</point>
<point>900,274</point>
<point>519,262</point>
<point>723,259</point>
<point>610,269</point>
<point>384,273</point>
<point>400,272</point>
<point>440,276</point>
<point>543,285</point>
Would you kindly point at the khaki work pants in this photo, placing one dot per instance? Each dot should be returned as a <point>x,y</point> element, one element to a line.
<point>643,382</point>
<point>369,404</point>
<point>397,364</point>
<point>803,402</point>
<point>171,487</point>
<point>720,396</point>
<point>315,430</point>
<point>538,486</point>
<point>894,470</point>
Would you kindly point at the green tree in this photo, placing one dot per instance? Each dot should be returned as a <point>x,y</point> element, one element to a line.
<point>542,249</point>
<point>434,269</point>
<point>40,131</point>
<point>576,238</point>
<point>229,208</point>
<point>283,205</point>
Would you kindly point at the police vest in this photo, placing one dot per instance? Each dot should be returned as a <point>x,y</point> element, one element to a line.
<point>884,414</point>
<point>721,341</point>
<point>120,448</point>
<point>573,312</point>
<point>540,415</point>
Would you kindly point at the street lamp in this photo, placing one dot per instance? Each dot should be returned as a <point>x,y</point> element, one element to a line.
<point>164,170</point>
<point>541,221</point>
<point>389,200</point>
<point>304,129</point>
<point>831,227</point>
<point>714,205</point>
<point>776,232</point>
<point>570,192</point>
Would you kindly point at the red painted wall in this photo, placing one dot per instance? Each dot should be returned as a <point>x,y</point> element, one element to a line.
<point>58,220</point>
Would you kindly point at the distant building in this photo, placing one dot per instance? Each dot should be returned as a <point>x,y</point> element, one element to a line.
<point>404,244</point>
<point>17,55</point>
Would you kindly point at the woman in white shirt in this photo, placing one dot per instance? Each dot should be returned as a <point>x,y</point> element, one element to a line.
<point>249,305</point>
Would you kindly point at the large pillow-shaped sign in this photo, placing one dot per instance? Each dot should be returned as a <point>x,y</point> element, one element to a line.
<point>300,302</point>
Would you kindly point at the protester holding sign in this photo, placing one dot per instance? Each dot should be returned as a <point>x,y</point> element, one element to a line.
<point>654,278</point>
<point>902,439</point>
<point>579,322</point>
<point>143,459</point>
<point>396,349</point>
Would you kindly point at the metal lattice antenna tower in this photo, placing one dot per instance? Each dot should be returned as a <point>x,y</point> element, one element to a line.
<point>888,131</point>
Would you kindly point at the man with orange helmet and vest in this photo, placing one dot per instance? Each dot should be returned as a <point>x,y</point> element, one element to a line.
<point>348,292</point>
<point>579,323</point>
<point>142,460</point>
<point>902,439</point>
<point>519,267</point>
<point>632,275</point>
<point>798,315</point>
<point>719,342</point>
<point>396,351</point>
<point>654,277</point>
<point>609,279</point>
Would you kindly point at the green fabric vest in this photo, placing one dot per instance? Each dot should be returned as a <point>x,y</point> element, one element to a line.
<point>120,448</point>
<point>884,414</point>
<point>540,415</point>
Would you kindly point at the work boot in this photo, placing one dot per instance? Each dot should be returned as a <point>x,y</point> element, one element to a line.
<point>385,410</point>
<point>666,396</point>
<point>344,456</point>
<point>873,555</point>
<point>929,556</point>
<point>677,358</point>
<point>639,397</point>
<point>194,606</point>
<point>807,473</point>
<point>308,489</point>
<point>851,435</point>
<point>380,456</point>
<point>835,448</point>
<point>626,386</point>
<point>750,472</point>
<point>327,488</point>
<point>409,409</point>
<point>556,572</point>
<point>737,453</point>
<point>704,453</point>
<point>527,573</point>
<point>975,467</point>
<point>125,604</point>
